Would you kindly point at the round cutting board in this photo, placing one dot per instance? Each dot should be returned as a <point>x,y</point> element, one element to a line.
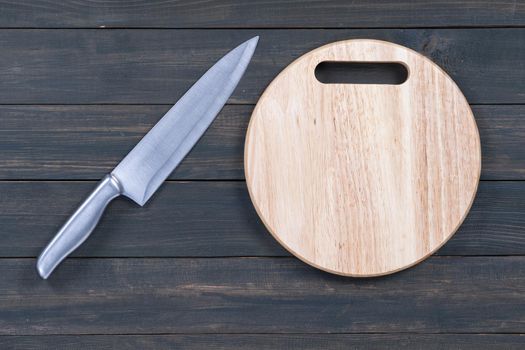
<point>362,179</point>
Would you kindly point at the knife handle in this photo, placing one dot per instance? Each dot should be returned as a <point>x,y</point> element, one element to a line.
<point>79,226</point>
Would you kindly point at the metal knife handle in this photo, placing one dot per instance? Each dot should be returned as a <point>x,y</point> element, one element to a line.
<point>79,226</point>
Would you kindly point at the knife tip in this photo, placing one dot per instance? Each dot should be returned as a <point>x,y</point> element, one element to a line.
<point>253,42</point>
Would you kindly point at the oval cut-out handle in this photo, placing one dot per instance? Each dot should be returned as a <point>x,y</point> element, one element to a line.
<point>351,72</point>
<point>360,62</point>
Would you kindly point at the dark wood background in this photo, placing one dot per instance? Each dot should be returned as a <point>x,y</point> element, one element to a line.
<point>82,81</point>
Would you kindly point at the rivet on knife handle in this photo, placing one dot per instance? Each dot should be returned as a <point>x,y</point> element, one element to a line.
<point>79,226</point>
<point>146,167</point>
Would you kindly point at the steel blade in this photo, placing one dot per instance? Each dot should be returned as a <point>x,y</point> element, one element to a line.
<point>144,169</point>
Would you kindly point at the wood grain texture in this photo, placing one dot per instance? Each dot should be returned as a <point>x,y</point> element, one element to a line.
<point>273,13</point>
<point>362,179</point>
<point>83,142</point>
<point>215,219</point>
<point>158,66</point>
<point>259,295</point>
<point>502,131</point>
<point>87,142</point>
<point>268,341</point>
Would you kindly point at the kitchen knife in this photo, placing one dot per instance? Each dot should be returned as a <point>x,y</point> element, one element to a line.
<point>144,169</point>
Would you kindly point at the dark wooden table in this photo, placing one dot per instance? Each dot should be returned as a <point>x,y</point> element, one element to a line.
<point>82,81</point>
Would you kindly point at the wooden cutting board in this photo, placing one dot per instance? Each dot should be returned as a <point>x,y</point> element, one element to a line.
<point>362,179</point>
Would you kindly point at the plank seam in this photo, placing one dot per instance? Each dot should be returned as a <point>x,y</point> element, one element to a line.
<point>256,333</point>
<point>452,27</point>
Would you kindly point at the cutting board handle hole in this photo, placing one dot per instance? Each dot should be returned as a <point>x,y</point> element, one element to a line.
<point>334,72</point>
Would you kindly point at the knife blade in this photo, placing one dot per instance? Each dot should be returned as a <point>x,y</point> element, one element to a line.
<point>159,152</point>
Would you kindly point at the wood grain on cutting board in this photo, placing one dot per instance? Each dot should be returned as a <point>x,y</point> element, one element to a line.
<point>362,180</point>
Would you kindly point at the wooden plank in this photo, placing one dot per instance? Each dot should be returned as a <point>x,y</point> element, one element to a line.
<point>242,14</point>
<point>213,219</point>
<point>157,66</point>
<point>86,142</point>
<point>502,131</point>
<point>260,295</point>
<point>268,341</point>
